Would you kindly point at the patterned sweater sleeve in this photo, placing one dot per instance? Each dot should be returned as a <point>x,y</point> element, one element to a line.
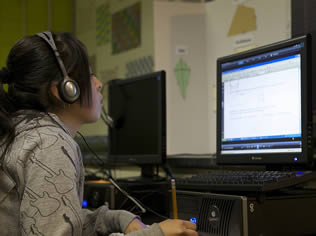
<point>53,189</point>
<point>50,201</point>
<point>53,182</point>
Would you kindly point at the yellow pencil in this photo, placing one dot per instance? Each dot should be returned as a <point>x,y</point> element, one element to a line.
<point>174,199</point>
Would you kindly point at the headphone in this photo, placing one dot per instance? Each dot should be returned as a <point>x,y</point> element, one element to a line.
<point>68,89</point>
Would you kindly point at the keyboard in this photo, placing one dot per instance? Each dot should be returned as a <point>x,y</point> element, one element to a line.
<point>244,181</point>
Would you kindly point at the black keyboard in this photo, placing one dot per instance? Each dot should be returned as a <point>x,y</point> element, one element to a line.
<point>244,181</point>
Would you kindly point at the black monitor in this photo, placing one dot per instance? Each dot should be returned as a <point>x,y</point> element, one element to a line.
<point>264,110</point>
<point>138,108</point>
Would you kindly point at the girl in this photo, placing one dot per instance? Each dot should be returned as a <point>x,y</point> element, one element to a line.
<point>51,93</point>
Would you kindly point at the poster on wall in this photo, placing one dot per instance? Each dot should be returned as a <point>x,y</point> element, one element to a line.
<point>244,21</point>
<point>182,72</point>
<point>141,66</point>
<point>126,29</point>
<point>103,24</point>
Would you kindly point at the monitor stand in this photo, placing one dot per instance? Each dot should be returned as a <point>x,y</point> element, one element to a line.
<point>149,174</point>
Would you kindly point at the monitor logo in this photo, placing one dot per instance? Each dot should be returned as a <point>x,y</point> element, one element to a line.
<point>256,158</point>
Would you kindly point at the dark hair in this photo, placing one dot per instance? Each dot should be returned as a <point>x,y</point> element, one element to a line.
<point>31,69</point>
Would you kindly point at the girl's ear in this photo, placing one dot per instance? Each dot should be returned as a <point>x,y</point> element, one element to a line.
<point>54,91</point>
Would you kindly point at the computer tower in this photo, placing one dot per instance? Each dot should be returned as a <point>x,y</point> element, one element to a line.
<point>98,193</point>
<point>233,215</point>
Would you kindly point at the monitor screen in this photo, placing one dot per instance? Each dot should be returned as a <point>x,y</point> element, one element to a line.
<point>264,110</point>
<point>138,108</point>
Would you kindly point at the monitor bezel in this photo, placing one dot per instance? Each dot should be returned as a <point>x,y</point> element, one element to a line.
<point>144,159</point>
<point>284,159</point>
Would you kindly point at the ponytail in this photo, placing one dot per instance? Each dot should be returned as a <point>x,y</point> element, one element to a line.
<point>7,129</point>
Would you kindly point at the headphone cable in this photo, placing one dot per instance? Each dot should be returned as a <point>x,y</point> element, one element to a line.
<point>137,203</point>
<point>108,173</point>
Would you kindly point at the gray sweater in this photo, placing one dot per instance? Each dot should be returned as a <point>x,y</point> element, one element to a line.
<point>41,185</point>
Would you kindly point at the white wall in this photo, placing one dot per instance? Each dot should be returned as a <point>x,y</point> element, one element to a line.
<point>191,122</point>
<point>183,24</point>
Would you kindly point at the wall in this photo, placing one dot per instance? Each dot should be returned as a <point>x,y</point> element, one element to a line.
<point>26,17</point>
<point>10,26</point>
<point>183,25</point>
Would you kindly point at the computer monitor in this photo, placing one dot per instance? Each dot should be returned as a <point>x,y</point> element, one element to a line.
<point>264,110</point>
<point>138,108</point>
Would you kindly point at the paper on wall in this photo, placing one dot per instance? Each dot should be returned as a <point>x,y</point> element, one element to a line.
<point>244,21</point>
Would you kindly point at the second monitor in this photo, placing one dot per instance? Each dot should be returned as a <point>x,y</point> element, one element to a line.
<point>138,108</point>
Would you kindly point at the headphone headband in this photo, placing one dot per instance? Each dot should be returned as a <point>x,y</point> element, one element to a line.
<point>48,37</point>
<point>68,88</point>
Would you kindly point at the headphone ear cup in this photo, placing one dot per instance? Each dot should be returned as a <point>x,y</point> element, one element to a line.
<point>68,90</point>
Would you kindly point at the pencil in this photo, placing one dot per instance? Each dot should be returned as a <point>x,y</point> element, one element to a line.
<point>174,199</point>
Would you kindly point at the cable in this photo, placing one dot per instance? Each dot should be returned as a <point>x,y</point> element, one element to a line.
<point>109,175</point>
<point>107,122</point>
<point>106,118</point>
<point>127,195</point>
<point>112,180</point>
